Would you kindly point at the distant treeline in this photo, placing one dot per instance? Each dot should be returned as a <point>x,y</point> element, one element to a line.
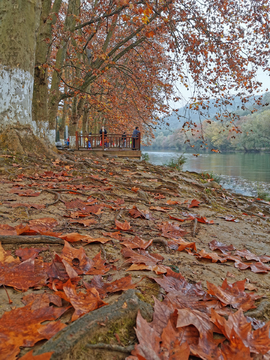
<point>250,133</point>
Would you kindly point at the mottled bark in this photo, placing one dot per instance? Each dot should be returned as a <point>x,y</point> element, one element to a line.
<point>54,97</point>
<point>40,97</point>
<point>18,25</point>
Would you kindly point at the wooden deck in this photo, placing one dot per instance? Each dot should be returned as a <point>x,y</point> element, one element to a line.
<point>109,144</point>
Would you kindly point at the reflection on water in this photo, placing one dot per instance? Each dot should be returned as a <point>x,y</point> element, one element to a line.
<point>242,173</point>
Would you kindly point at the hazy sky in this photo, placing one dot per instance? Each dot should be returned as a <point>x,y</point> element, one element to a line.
<point>263,77</point>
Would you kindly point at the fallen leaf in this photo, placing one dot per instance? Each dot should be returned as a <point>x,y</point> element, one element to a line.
<point>124,283</point>
<point>136,243</point>
<point>82,302</point>
<point>122,226</point>
<point>141,258</point>
<point>214,245</point>
<point>22,327</point>
<point>194,203</point>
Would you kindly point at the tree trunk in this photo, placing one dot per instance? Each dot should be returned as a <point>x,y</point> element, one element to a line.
<point>40,98</point>
<point>73,10</point>
<point>18,26</point>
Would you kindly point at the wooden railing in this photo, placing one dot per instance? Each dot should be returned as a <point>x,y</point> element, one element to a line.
<point>107,141</point>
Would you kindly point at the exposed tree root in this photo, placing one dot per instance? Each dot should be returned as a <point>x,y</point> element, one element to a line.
<point>92,328</point>
<point>30,239</point>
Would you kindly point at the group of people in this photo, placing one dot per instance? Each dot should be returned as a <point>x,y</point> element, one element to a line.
<point>135,136</point>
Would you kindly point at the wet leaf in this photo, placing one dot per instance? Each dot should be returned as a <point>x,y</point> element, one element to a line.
<point>23,327</point>
<point>76,258</point>
<point>30,356</point>
<point>141,258</point>
<point>136,243</point>
<point>233,294</point>
<point>124,283</point>
<point>82,302</point>
<point>22,276</point>
<point>38,301</point>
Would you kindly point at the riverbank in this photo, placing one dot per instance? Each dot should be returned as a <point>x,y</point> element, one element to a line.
<point>124,223</point>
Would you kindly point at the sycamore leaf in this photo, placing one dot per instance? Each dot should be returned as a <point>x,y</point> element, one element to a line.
<point>194,203</point>
<point>124,283</point>
<point>122,226</point>
<point>136,243</point>
<point>23,327</point>
<point>216,245</point>
<point>82,303</point>
<point>141,258</point>
<point>30,356</point>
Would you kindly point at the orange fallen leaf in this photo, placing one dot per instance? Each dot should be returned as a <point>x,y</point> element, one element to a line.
<point>122,226</point>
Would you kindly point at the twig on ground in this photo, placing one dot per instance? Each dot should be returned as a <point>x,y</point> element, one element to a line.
<point>30,239</point>
<point>126,349</point>
<point>103,251</point>
<point>195,226</point>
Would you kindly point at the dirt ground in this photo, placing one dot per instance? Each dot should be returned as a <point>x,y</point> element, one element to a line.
<point>122,184</point>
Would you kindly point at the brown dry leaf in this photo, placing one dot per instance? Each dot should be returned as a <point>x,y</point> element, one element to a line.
<point>194,203</point>
<point>250,256</point>
<point>122,226</point>
<point>213,256</point>
<point>141,258</point>
<point>22,327</point>
<point>196,318</point>
<point>27,253</point>
<point>172,202</point>
<point>46,222</point>
<point>148,338</point>
<point>38,301</point>
<point>254,267</point>
<point>29,192</point>
<point>171,231</point>
<point>30,356</point>
<point>99,267</point>
<point>233,294</point>
<point>76,258</point>
<point>7,230</point>
<point>82,302</point>
<point>214,245</point>
<point>178,219</point>
<point>158,269</point>
<point>237,327</point>
<point>59,269</point>
<point>136,213</point>
<point>136,243</point>
<point>6,258</point>
<point>124,283</point>
<point>203,220</point>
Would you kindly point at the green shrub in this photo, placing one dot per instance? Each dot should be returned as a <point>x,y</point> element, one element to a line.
<point>177,163</point>
<point>215,177</point>
<point>145,157</point>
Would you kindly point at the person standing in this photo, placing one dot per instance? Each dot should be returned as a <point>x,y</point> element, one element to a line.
<point>135,136</point>
<point>124,139</point>
<point>105,136</point>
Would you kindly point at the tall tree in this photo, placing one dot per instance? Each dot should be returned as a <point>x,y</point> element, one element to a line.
<point>18,25</point>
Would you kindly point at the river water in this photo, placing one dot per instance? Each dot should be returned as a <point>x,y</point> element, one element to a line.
<point>242,173</point>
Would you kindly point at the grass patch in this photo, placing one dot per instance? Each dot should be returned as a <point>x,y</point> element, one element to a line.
<point>177,163</point>
<point>145,157</point>
<point>261,194</point>
<point>211,175</point>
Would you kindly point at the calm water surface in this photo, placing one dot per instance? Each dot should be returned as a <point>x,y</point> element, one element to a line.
<point>242,173</point>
